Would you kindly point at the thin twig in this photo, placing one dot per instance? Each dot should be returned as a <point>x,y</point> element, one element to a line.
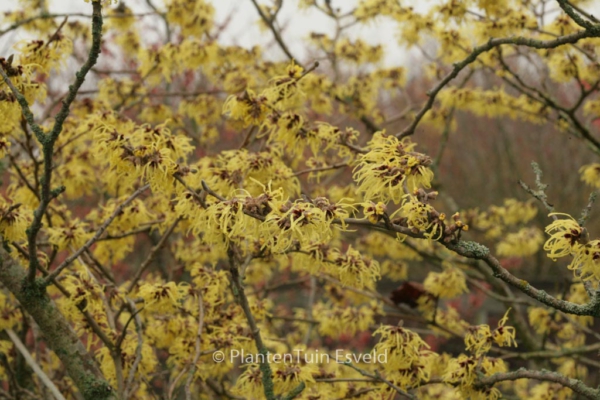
<point>152,255</point>
<point>320,169</point>
<point>96,236</point>
<point>379,378</point>
<point>309,307</point>
<point>188,384</point>
<point>138,351</point>
<point>574,384</point>
<point>492,43</point>
<point>540,193</point>
<point>34,366</point>
<point>585,214</point>
<point>238,291</point>
<point>124,332</point>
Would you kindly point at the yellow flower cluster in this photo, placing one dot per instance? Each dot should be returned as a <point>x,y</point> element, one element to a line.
<point>590,174</point>
<point>446,284</point>
<point>497,219</point>
<point>195,18</point>
<point>479,338</point>
<point>525,242</point>
<point>390,163</point>
<point>408,356</point>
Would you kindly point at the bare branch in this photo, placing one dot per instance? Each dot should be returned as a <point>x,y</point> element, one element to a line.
<point>144,265</point>
<point>585,214</point>
<point>138,351</point>
<point>540,193</point>
<point>376,376</point>
<point>188,384</point>
<point>574,384</point>
<point>34,366</point>
<point>492,43</point>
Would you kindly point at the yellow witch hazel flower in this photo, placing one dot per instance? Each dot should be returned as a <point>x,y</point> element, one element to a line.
<point>246,107</point>
<point>163,298</point>
<point>402,345</point>
<point>382,172</point>
<point>590,174</point>
<point>45,56</point>
<point>129,348</point>
<point>10,315</point>
<point>14,220</point>
<point>287,376</point>
<point>74,234</point>
<point>249,383</point>
<point>463,370</point>
<point>337,320</point>
<point>374,212</point>
<point>525,242</point>
<point>407,355</point>
<point>195,18</point>
<point>479,338</point>
<point>446,284</point>
<point>105,2</point>
<point>586,263</point>
<point>284,92</point>
<point>300,222</point>
<point>356,270</point>
<point>422,217</point>
<point>564,236</point>
<point>540,319</point>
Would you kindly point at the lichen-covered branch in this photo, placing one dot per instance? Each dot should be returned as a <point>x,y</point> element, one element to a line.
<point>58,334</point>
<point>480,252</point>
<point>574,384</point>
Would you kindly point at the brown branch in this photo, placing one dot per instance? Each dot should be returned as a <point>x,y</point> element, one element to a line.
<point>492,43</point>
<point>541,97</point>
<point>138,352</point>
<point>553,354</point>
<point>48,140</point>
<point>567,7</point>
<point>585,214</point>
<point>34,366</point>
<point>124,331</point>
<point>540,193</point>
<point>126,234</point>
<point>144,265</point>
<point>66,15</point>
<point>200,197</point>
<point>319,169</point>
